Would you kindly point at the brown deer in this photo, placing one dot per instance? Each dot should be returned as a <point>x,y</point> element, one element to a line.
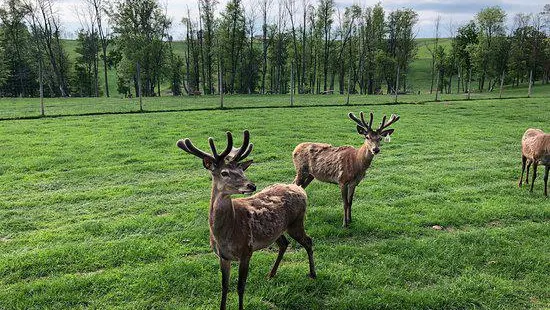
<point>535,149</point>
<point>240,226</point>
<point>344,165</point>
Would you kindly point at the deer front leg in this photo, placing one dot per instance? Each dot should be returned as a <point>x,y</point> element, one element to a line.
<point>282,242</point>
<point>523,162</point>
<point>351,191</point>
<point>243,274</point>
<point>535,164</point>
<point>547,168</point>
<point>225,266</point>
<point>344,191</point>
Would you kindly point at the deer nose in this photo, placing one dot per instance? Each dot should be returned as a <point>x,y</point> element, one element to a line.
<point>376,150</point>
<point>251,186</point>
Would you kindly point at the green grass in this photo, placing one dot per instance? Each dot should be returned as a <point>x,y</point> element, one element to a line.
<point>13,108</point>
<point>105,211</point>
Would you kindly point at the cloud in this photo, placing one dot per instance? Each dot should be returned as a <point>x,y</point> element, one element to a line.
<point>451,11</point>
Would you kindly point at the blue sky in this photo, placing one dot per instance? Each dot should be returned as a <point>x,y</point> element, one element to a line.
<point>452,12</point>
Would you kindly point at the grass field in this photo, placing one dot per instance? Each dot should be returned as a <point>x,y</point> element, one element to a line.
<point>104,211</point>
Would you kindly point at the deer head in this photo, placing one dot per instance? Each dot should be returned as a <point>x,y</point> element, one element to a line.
<point>373,137</point>
<point>226,168</point>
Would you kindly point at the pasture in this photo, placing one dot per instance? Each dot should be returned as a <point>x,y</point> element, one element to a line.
<point>104,211</point>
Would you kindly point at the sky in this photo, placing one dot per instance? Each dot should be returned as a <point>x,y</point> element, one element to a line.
<point>453,13</point>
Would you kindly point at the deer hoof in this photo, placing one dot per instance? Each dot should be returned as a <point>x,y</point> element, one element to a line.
<point>312,275</point>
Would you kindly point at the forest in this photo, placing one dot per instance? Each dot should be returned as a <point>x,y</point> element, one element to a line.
<point>274,47</point>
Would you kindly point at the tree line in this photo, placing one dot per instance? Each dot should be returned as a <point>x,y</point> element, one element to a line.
<point>269,47</point>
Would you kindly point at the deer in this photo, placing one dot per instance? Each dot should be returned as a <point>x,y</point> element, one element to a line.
<point>240,226</point>
<point>343,165</point>
<point>535,150</point>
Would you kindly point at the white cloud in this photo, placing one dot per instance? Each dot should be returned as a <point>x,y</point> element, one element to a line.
<point>459,12</point>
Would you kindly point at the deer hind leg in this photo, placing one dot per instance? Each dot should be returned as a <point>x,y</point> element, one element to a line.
<point>546,170</point>
<point>243,274</point>
<point>529,162</point>
<point>225,266</point>
<point>351,192</point>
<point>298,233</point>
<point>535,164</point>
<point>523,162</point>
<point>344,191</point>
<point>282,242</point>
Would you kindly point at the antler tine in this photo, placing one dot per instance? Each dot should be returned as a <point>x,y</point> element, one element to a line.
<point>394,118</point>
<point>191,149</point>
<point>363,120</point>
<point>243,148</point>
<point>213,147</point>
<point>370,121</point>
<point>383,122</point>
<point>229,146</point>
<point>247,152</point>
<point>353,117</point>
<point>181,145</point>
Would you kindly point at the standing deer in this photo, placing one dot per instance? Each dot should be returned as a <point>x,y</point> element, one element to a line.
<point>344,165</point>
<point>240,226</point>
<point>535,149</point>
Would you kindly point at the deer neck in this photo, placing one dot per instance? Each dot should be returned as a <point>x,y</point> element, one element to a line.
<point>222,214</point>
<point>364,156</point>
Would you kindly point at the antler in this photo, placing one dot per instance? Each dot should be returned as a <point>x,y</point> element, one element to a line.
<point>393,118</point>
<point>362,122</point>
<point>241,153</point>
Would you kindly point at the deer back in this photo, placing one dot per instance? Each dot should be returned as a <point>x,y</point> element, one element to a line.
<point>263,217</point>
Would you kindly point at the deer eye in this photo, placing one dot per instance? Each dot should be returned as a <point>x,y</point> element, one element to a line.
<point>225,174</point>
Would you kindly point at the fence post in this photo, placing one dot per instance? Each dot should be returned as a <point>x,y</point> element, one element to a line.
<point>349,84</point>
<point>292,83</point>
<point>530,83</point>
<point>437,85</point>
<point>397,83</point>
<point>501,85</point>
<point>220,82</point>
<point>469,82</point>
<point>42,112</point>
<point>139,87</point>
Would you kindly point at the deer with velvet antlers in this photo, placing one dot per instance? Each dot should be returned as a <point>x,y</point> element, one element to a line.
<point>344,165</point>
<point>240,226</point>
<point>535,150</point>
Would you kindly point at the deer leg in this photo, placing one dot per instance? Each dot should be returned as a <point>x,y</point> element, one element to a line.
<point>535,164</point>
<point>225,266</point>
<point>344,191</point>
<point>307,181</point>
<point>546,169</point>
<point>282,242</point>
<point>243,274</point>
<point>529,162</point>
<point>523,162</point>
<point>298,233</point>
<point>351,191</point>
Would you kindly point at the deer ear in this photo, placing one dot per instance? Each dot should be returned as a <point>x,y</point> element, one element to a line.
<point>361,130</point>
<point>386,133</point>
<point>208,163</point>
<point>244,165</point>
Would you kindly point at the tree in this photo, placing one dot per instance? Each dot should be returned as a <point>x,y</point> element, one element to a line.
<point>85,79</point>
<point>98,8</point>
<point>490,22</point>
<point>232,38</point>
<point>140,28</point>
<point>18,53</point>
